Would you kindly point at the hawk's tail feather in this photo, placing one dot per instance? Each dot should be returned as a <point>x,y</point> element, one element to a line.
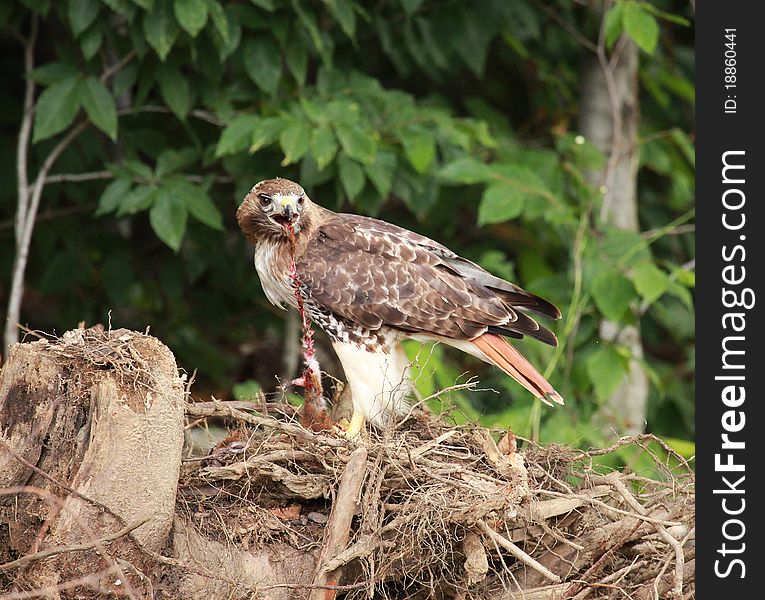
<point>499,352</point>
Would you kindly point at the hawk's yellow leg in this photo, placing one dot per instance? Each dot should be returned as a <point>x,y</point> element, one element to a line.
<point>355,426</point>
<point>350,429</point>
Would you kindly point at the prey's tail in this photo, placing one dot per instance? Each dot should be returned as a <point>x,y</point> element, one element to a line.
<point>499,352</point>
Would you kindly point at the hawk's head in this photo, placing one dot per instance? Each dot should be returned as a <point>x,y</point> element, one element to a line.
<point>271,207</point>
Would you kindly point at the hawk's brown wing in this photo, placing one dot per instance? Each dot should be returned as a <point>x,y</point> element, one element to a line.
<point>374,273</point>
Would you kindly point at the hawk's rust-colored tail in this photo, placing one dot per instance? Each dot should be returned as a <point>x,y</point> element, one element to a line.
<point>499,352</point>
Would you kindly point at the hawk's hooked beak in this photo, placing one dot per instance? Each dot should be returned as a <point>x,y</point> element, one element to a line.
<point>289,210</point>
<point>289,206</point>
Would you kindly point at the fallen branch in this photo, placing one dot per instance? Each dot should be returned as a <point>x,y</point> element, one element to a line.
<point>339,525</point>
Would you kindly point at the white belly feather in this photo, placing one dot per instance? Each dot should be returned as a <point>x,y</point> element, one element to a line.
<point>379,381</point>
<point>278,289</point>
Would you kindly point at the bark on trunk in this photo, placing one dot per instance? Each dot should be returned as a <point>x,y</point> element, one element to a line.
<point>609,119</point>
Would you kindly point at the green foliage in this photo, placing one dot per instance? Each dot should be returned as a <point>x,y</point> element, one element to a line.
<point>454,119</point>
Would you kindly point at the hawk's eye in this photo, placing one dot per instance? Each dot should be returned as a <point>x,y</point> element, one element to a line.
<point>265,201</point>
<point>301,201</point>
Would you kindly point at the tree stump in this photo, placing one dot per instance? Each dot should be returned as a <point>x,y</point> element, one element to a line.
<point>91,440</point>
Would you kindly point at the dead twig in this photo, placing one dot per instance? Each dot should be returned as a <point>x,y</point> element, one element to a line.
<point>517,552</point>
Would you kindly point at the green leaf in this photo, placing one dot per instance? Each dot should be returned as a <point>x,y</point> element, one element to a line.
<point>623,246</point>
<point>136,169</point>
<point>99,105</point>
<point>81,14</point>
<point>606,369</point>
<point>613,23</point>
<point>197,202</point>
<point>685,448</point>
<point>191,15</point>
<point>296,56</point>
<point>358,142</point>
<point>523,178</point>
<point>294,141</point>
<point>671,17</point>
<point>265,4</point>
<point>473,38</point>
<point>681,293</point>
<point>411,6</point>
<point>641,26</point>
<point>419,147</point>
<point>351,176</point>
<point>246,390</point>
<point>237,136</point>
<point>500,202</point>
<point>263,63</point>
<point>381,172</point>
<point>138,199</point>
<point>112,196</point>
<point>681,140</point>
<point>125,79</point>
<point>684,276</point>
<point>145,4</point>
<point>168,217</point>
<point>91,41</point>
<point>265,131</point>
<point>53,71</point>
<point>160,28</point>
<point>126,8</point>
<point>586,154</point>
<point>171,161</point>
<point>220,20</point>
<point>316,112</point>
<point>56,108</point>
<point>175,90</point>
<point>323,146</point>
<point>466,171</point>
<point>344,13</point>
<point>308,20</point>
<point>650,281</point>
<point>612,293</point>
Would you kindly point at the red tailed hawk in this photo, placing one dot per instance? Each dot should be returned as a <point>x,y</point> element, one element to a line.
<point>369,285</point>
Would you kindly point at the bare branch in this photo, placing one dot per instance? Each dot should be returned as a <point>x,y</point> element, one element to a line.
<point>117,67</point>
<point>552,12</point>
<point>24,235</point>
<point>202,115</point>
<point>78,177</point>
<point>29,200</point>
<point>22,149</point>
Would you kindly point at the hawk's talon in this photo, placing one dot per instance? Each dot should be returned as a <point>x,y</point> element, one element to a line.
<point>352,429</point>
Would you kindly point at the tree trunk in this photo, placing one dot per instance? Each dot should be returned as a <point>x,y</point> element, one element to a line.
<point>609,118</point>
